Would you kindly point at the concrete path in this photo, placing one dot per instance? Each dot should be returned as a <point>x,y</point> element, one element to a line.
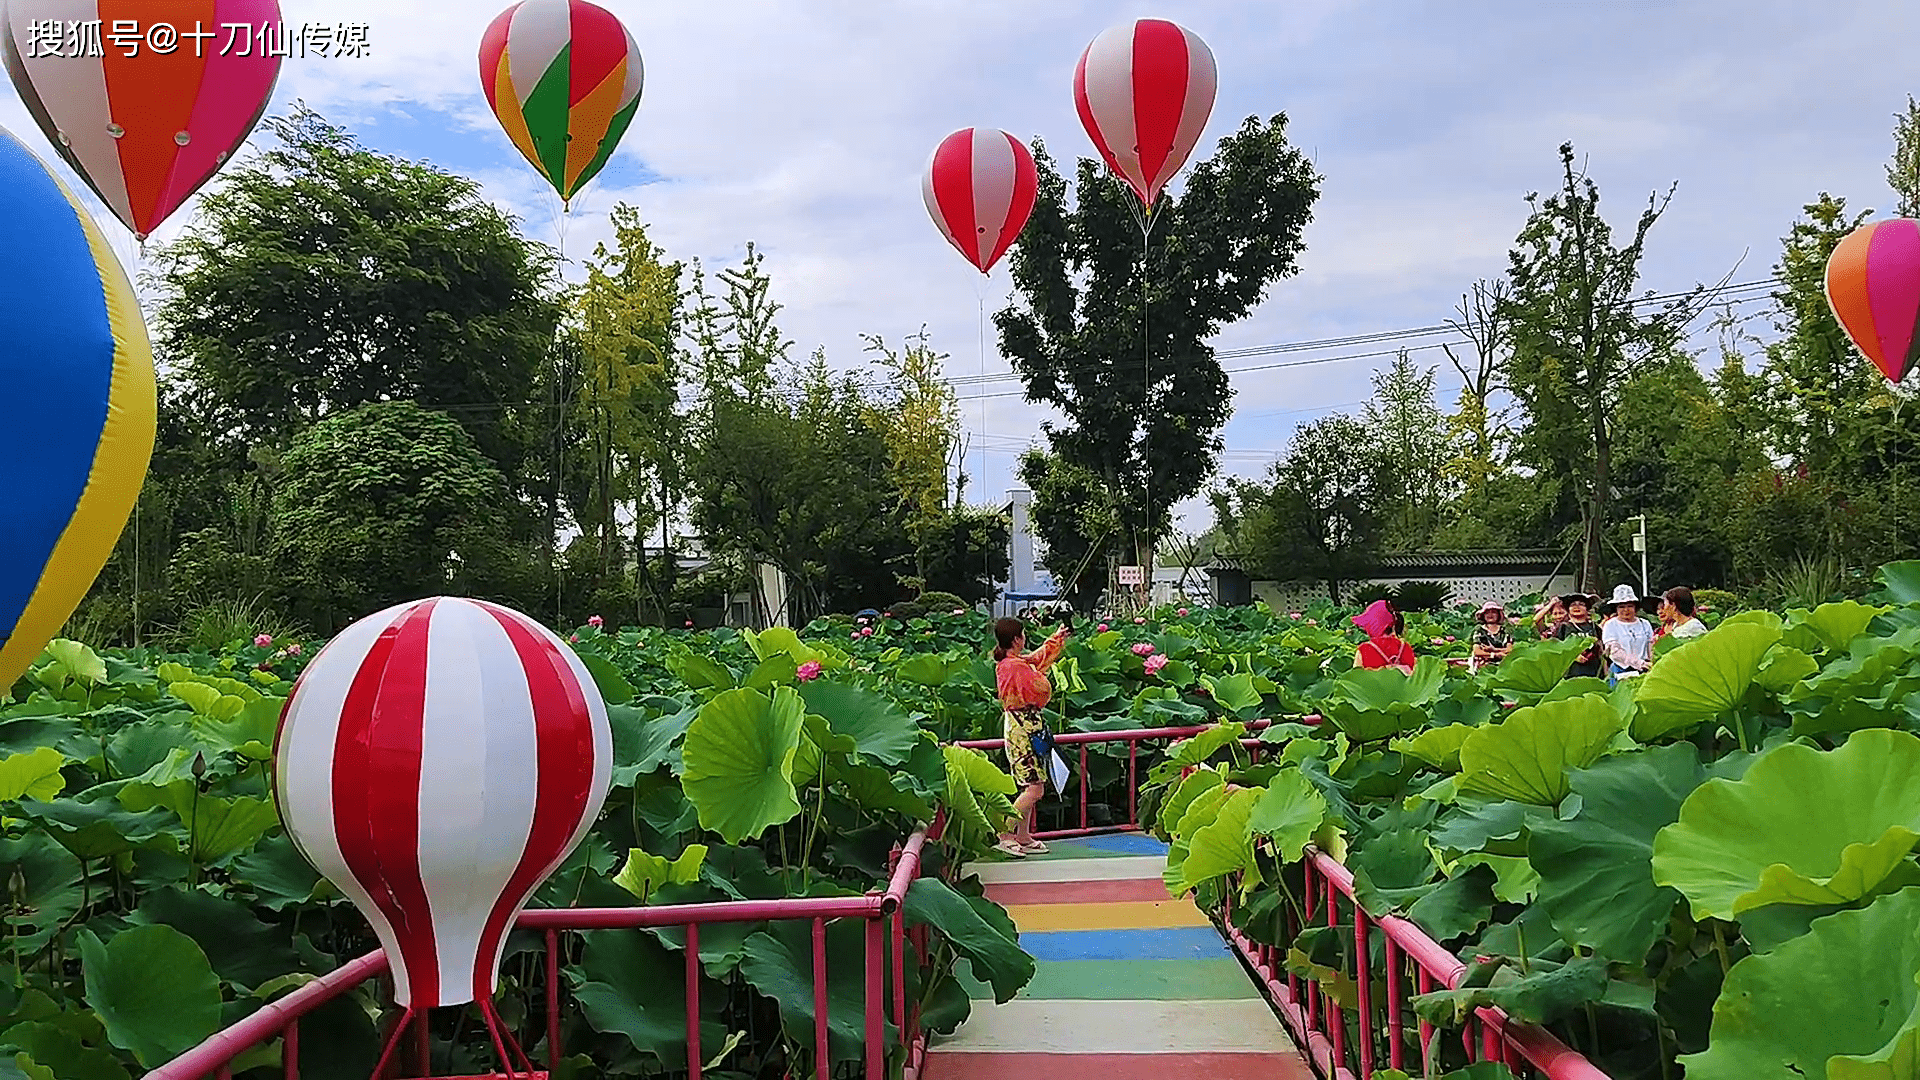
<point>1132,985</point>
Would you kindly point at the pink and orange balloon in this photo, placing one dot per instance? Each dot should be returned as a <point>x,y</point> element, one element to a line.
<point>151,117</point>
<point>979,189</point>
<point>1873,284</point>
<point>1144,90</point>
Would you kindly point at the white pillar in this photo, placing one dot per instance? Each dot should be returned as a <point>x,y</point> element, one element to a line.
<point>1021,572</point>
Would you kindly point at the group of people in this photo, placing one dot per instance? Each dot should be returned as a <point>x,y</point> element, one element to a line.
<point>1622,645</point>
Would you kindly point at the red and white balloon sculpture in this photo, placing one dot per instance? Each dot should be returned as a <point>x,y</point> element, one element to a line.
<point>980,187</point>
<point>1144,90</point>
<point>436,762</point>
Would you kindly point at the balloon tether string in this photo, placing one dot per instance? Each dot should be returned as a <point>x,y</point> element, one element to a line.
<point>986,557</point>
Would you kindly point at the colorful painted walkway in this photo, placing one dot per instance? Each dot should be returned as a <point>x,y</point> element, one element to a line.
<point>1132,985</point>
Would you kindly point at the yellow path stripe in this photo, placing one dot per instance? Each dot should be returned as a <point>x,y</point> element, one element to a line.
<point>1127,915</point>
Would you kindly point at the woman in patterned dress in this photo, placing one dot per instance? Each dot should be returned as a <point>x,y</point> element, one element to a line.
<point>1024,692</point>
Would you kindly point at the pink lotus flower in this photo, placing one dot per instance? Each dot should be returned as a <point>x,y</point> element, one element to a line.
<point>262,641</point>
<point>1102,628</point>
<point>293,649</point>
<point>886,614</point>
<point>866,631</point>
<point>855,635</point>
<point>1155,663</point>
<point>959,611</point>
<point>596,621</point>
<point>1313,622</point>
<point>1143,649</point>
<point>1183,613</point>
<point>575,638</point>
<point>1139,620</point>
<point>1451,639</point>
<point>808,671</point>
<point>689,624</point>
<point>1293,615</point>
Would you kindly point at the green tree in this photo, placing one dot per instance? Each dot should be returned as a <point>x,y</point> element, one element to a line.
<point>1819,381</point>
<point>1577,334</point>
<point>1321,514</point>
<point>967,551</point>
<point>1903,172</point>
<point>321,275</point>
<point>918,417</point>
<point>626,321</point>
<point>385,503</point>
<point>1077,521</point>
<point>1410,432</point>
<point>1122,349</point>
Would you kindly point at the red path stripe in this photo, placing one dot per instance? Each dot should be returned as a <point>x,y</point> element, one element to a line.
<point>953,191</point>
<point>960,1066</point>
<point>376,790</point>
<point>564,759</point>
<point>1078,892</point>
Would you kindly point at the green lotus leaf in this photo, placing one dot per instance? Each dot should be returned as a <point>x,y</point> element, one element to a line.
<point>93,824</point>
<point>645,873</point>
<point>219,826</point>
<point>776,670</point>
<point>993,951</point>
<point>1514,879</point>
<point>977,792</point>
<point>1755,617</point>
<point>60,1051</point>
<point>1702,682</point>
<point>1479,1070</point>
<point>1579,686</point>
<point>1536,667</point>
<point>873,789</point>
<point>32,775</point>
<point>1438,747</point>
<point>778,962</point>
<point>1223,845</point>
<point>1527,757</point>
<point>781,641</point>
<point>77,662</point>
<point>153,989</point>
<point>1235,693</point>
<point>1288,813</point>
<point>239,947</point>
<point>1867,687</point>
<point>1829,626</point>
<point>1199,813</point>
<point>1900,582</point>
<point>1825,1004</point>
<point>1802,826</point>
<point>1784,667</point>
<point>632,985</point>
<point>1545,995</point>
<point>1392,871</point>
<point>641,744</point>
<point>1596,868</point>
<point>1457,906</point>
<point>881,730</point>
<point>1199,748</point>
<point>1382,689</point>
<point>1182,796</point>
<point>927,669</point>
<point>700,672</point>
<point>738,759</point>
<point>607,676</point>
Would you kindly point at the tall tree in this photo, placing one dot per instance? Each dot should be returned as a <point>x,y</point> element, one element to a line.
<point>1409,433</point>
<point>918,417</point>
<point>1119,344</point>
<point>625,316</point>
<point>321,275</point>
<point>1578,333</point>
<point>1322,512</point>
<point>1077,520</point>
<point>1819,380</point>
<point>1474,424</point>
<point>1903,172</point>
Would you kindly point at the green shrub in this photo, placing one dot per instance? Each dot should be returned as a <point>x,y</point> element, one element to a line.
<point>1421,595</point>
<point>1367,594</point>
<point>1717,601</point>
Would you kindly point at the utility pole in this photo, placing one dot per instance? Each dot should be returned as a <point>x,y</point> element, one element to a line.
<point>1640,545</point>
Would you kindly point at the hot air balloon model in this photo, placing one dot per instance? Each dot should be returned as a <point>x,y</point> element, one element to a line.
<point>1144,90</point>
<point>979,188</point>
<point>1873,285</point>
<point>76,405</point>
<point>436,762</point>
<point>150,118</point>
<point>564,78</point>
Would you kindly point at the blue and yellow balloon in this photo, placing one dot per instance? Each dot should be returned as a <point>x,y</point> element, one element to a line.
<point>76,405</point>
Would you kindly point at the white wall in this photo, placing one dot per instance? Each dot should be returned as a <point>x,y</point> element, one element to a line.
<point>1293,596</point>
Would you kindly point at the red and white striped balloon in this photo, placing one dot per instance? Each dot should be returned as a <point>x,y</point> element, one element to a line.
<point>436,762</point>
<point>1144,90</point>
<point>979,188</point>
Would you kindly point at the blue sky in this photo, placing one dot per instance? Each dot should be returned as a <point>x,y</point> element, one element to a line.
<point>804,127</point>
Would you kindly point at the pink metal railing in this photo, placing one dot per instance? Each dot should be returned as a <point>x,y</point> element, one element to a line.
<point>1133,739</point>
<point>882,912</point>
<point>1320,1025</point>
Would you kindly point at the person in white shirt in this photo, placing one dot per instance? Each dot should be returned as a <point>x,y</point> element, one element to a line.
<point>1626,640</point>
<point>1676,614</point>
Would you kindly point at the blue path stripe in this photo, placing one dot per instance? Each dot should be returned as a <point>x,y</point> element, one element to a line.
<point>1178,943</point>
<point>1130,843</point>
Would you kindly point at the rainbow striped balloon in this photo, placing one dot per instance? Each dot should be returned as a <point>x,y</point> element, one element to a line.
<point>76,404</point>
<point>1873,285</point>
<point>563,77</point>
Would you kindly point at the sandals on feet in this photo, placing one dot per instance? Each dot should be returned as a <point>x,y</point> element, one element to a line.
<point>1011,848</point>
<point>1036,848</point>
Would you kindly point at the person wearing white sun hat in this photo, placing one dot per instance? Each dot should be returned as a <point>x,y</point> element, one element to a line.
<point>1626,640</point>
